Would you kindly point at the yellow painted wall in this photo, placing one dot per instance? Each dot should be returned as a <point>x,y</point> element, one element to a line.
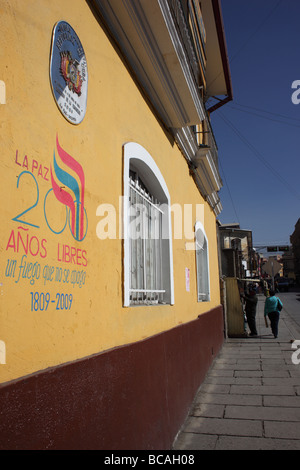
<point>30,121</point>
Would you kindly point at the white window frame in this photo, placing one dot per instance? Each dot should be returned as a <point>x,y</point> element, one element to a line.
<point>202,263</point>
<point>136,157</point>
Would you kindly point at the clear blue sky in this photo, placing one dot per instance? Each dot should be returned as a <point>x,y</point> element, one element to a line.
<point>258,133</point>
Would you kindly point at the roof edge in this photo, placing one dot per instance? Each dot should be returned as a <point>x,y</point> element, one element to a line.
<point>216,4</point>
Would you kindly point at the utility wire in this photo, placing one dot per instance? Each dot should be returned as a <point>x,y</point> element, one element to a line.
<point>266,112</point>
<point>258,155</point>
<point>255,31</point>
<point>230,60</point>
<point>265,117</point>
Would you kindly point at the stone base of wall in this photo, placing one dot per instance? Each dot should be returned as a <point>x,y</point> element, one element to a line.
<point>132,397</point>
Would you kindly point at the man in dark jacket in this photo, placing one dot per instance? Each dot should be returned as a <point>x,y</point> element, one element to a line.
<point>250,309</point>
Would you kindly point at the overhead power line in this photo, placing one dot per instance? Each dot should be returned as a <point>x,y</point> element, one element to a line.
<point>259,155</point>
<point>265,117</point>
<point>233,57</point>
<point>255,31</point>
<point>266,112</point>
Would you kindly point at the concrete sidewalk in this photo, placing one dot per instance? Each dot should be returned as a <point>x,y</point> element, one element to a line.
<point>250,398</point>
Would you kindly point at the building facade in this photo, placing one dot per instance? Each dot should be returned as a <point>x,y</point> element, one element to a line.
<point>110,311</point>
<point>295,241</point>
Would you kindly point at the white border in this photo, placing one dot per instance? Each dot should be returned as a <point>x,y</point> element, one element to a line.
<point>199,226</point>
<point>136,151</point>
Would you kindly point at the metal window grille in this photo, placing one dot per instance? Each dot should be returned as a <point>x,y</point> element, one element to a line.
<point>202,271</point>
<point>145,238</point>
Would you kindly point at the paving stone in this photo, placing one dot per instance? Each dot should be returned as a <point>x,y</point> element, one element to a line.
<point>263,413</point>
<point>294,372</point>
<point>227,361</point>
<point>212,388</point>
<point>291,381</point>
<point>262,390</point>
<point>253,443</point>
<point>246,354</point>
<point>221,373</point>
<point>235,380</point>
<point>229,399</point>
<point>249,367</point>
<point>219,380</point>
<point>191,441</point>
<point>274,361</point>
<point>247,360</point>
<point>276,373</point>
<point>247,381</point>
<point>247,373</point>
<point>234,427</point>
<point>208,411</point>
<point>281,401</point>
<point>278,429</point>
<point>271,355</point>
<point>277,367</point>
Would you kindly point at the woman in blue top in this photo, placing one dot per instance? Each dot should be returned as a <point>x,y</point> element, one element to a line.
<point>273,305</point>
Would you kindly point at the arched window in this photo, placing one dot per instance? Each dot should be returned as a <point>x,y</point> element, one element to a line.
<point>148,265</point>
<point>202,263</point>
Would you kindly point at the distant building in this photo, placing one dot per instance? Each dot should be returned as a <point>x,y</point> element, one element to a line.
<point>295,241</point>
<point>288,262</point>
<point>237,256</point>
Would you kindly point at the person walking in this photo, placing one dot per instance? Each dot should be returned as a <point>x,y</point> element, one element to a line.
<point>273,306</point>
<point>250,309</point>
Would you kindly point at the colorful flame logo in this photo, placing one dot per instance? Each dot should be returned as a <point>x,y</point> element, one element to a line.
<point>75,198</point>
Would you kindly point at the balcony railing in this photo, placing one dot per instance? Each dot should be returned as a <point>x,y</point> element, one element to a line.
<point>187,21</point>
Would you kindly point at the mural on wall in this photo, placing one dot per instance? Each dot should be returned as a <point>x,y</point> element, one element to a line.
<point>45,251</point>
<point>76,206</point>
<point>68,72</point>
<point>28,252</point>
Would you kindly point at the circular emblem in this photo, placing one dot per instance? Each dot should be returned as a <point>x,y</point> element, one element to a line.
<point>68,73</point>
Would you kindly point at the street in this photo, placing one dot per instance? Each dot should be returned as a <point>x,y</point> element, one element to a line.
<point>250,398</point>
